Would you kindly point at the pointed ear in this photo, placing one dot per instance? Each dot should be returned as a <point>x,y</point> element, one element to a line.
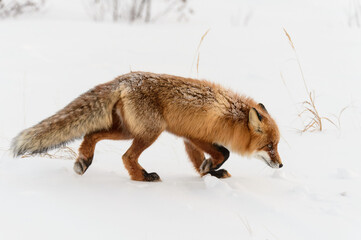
<point>263,107</point>
<point>255,119</point>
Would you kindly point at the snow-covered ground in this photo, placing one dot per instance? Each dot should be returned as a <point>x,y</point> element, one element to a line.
<point>46,60</point>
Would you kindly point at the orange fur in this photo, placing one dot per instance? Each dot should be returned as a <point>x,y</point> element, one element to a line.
<point>141,105</point>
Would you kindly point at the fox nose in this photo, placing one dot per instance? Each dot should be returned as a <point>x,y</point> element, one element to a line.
<point>281,165</point>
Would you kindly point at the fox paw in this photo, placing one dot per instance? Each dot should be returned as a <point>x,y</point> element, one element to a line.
<point>80,167</point>
<point>206,166</point>
<point>150,177</point>
<point>221,173</point>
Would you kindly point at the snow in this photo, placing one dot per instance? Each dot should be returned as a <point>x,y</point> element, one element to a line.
<point>49,59</point>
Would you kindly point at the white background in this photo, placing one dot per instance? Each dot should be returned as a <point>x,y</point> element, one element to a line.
<point>50,57</point>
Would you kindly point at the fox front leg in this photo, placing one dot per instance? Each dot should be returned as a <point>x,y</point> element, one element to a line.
<point>206,166</point>
<point>219,154</point>
<point>211,165</point>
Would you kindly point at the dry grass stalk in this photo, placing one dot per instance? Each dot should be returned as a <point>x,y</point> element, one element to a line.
<point>246,225</point>
<point>338,117</point>
<point>61,153</point>
<point>198,64</point>
<point>340,114</point>
<point>298,60</point>
<point>197,52</point>
<point>315,123</point>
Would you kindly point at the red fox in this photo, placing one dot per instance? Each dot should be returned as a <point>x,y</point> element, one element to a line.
<point>141,105</point>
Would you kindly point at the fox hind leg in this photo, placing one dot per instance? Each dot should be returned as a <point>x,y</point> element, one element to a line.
<point>219,155</point>
<point>130,160</point>
<point>87,147</point>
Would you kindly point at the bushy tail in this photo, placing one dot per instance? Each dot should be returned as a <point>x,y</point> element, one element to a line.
<point>90,112</point>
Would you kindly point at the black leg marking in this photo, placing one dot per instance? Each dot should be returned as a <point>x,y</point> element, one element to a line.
<point>224,152</point>
<point>150,177</point>
<point>221,173</point>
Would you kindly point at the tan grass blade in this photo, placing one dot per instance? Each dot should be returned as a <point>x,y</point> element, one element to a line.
<point>197,52</point>
<point>61,153</point>
<point>309,105</point>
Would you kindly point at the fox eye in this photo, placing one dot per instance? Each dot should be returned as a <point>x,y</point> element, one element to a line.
<point>269,146</point>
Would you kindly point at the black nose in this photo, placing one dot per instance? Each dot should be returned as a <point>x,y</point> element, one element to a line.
<point>281,165</point>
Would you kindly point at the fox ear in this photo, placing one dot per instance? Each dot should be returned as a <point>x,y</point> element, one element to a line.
<point>255,119</point>
<point>263,107</point>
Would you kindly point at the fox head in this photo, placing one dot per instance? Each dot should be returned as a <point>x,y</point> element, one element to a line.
<point>264,136</point>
